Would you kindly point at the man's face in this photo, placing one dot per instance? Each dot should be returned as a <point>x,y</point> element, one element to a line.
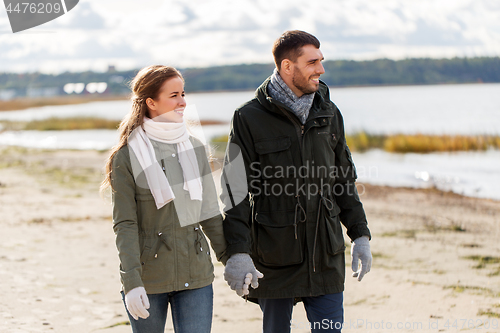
<point>307,69</point>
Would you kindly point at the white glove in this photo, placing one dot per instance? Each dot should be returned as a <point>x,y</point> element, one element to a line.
<point>137,303</point>
<point>361,251</point>
<point>240,272</point>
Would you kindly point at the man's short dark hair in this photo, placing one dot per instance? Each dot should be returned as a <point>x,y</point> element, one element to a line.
<point>289,45</point>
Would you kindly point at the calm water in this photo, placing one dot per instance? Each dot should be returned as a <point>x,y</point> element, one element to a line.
<point>474,174</point>
<point>443,109</point>
<point>453,109</point>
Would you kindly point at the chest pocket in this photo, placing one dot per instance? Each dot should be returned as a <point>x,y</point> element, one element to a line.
<point>274,154</point>
<point>323,142</point>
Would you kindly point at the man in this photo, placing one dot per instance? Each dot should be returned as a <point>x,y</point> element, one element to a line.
<point>301,185</point>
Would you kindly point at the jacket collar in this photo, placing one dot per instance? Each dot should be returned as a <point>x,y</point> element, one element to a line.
<point>322,106</point>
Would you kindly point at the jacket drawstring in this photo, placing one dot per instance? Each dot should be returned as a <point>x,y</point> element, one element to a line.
<point>197,242</point>
<point>329,206</point>
<point>163,239</point>
<point>298,210</point>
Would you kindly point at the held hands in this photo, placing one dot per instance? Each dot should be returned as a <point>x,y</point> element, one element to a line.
<point>240,272</point>
<point>137,303</point>
<point>361,251</point>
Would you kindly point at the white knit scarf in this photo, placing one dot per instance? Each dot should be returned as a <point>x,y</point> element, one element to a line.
<point>171,133</point>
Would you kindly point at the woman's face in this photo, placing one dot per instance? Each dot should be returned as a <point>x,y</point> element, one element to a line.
<point>170,103</point>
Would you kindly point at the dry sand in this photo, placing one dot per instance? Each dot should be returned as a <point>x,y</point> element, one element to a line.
<point>436,257</point>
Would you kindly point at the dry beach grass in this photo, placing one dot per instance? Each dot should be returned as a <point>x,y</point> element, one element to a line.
<point>411,143</point>
<point>436,257</point>
<point>25,103</point>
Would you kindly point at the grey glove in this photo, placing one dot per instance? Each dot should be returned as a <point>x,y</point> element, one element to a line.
<point>238,267</point>
<point>361,251</point>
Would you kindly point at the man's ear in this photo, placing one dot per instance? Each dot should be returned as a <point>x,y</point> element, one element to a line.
<point>286,67</point>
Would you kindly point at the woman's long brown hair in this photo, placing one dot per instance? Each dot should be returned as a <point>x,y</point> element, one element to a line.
<point>146,84</point>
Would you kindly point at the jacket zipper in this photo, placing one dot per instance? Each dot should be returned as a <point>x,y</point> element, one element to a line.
<point>173,232</point>
<point>299,127</point>
<point>300,133</point>
<point>197,243</point>
<point>161,236</point>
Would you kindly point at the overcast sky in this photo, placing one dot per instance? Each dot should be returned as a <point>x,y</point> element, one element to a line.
<point>199,33</point>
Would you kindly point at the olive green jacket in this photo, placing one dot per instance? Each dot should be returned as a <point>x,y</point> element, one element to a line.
<point>301,183</point>
<point>154,250</point>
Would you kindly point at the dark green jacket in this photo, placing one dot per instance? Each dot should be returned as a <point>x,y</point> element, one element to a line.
<point>154,250</point>
<point>301,182</point>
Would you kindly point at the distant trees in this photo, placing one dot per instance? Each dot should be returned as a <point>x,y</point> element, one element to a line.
<point>411,71</point>
<point>249,77</point>
<point>355,73</point>
<point>238,77</point>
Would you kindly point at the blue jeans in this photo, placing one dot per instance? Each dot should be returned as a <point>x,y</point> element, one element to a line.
<point>325,314</point>
<point>191,311</point>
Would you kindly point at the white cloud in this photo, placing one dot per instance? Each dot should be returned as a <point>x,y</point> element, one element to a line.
<point>82,17</point>
<point>215,32</point>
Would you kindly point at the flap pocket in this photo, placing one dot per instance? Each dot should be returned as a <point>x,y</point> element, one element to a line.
<point>272,145</point>
<point>277,218</point>
<point>274,155</point>
<point>145,255</point>
<point>279,241</point>
<point>332,235</point>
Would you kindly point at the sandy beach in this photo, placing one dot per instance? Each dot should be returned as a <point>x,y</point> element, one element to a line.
<point>436,257</point>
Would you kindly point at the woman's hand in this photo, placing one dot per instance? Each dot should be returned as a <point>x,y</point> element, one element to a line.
<point>137,303</point>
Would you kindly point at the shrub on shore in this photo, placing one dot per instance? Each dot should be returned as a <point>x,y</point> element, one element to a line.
<point>25,103</point>
<point>59,124</point>
<point>359,141</point>
<point>405,143</point>
<point>421,143</point>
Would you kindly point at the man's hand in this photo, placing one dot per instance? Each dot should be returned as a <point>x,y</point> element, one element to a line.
<point>240,272</point>
<point>137,303</point>
<point>360,250</point>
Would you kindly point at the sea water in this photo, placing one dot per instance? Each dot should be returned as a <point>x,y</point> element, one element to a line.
<point>437,109</point>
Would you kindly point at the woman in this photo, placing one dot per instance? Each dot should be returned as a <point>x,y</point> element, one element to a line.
<point>162,192</point>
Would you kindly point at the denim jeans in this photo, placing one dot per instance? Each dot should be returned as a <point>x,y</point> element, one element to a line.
<point>325,314</point>
<point>191,311</point>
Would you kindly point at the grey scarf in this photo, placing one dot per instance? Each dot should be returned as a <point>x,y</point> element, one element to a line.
<point>278,90</point>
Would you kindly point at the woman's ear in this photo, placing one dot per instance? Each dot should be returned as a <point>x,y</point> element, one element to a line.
<point>151,103</point>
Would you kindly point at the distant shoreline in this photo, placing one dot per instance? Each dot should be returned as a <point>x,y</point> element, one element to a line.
<point>26,103</point>
<point>353,86</point>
